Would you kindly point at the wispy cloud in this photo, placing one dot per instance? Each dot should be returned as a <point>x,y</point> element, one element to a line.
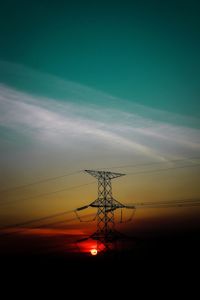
<point>92,117</point>
<point>48,120</point>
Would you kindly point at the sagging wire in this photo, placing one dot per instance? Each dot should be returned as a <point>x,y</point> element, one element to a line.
<point>84,221</point>
<point>129,219</point>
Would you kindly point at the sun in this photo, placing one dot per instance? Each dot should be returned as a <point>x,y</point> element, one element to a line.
<point>93,251</point>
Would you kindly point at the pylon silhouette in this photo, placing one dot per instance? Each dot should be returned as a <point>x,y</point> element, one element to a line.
<point>106,205</point>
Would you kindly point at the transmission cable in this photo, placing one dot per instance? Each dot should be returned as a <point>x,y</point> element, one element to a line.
<point>38,182</point>
<point>166,169</point>
<point>3,201</point>
<point>79,171</point>
<point>36,220</point>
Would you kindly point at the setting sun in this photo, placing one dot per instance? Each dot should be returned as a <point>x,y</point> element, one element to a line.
<point>93,251</point>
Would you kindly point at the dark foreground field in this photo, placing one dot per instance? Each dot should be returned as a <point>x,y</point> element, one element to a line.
<point>178,256</point>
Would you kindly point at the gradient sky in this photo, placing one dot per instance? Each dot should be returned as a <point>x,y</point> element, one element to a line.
<point>98,84</point>
<point>144,51</point>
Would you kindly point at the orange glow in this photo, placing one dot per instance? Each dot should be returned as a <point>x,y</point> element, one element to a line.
<point>93,251</point>
<point>43,231</point>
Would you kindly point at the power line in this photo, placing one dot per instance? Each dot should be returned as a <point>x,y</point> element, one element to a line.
<point>164,204</point>
<point>135,206</point>
<point>36,220</point>
<point>66,221</point>
<point>46,194</point>
<point>152,163</point>
<point>78,186</point>
<point>170,205</point>
<point>38,182</point>
<point>166,169</point>
<point>79,171</point>
<point>106,206</point>
<point>20,225</point>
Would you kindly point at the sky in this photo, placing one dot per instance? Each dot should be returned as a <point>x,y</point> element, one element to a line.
<point>93,85</point>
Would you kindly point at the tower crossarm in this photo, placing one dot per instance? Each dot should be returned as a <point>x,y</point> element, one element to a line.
<point>104,174</point>
<point>107,204</point>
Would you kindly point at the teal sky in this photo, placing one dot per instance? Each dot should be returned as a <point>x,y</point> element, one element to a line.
<point>143,51</point>
<point>92,85</point>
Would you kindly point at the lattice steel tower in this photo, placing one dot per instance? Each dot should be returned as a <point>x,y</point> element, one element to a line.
<point>106,205</point>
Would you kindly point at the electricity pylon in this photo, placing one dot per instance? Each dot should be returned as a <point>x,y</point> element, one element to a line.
<point>106,206</point>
